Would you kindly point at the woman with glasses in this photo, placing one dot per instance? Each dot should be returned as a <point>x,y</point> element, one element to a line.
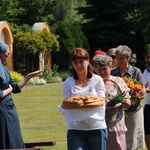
<point>111,53</point>
<point>86,126</point>
<point>114,115</point>
<point>134,120</point>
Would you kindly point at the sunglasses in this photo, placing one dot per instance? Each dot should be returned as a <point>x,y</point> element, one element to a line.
<point>113,56</point>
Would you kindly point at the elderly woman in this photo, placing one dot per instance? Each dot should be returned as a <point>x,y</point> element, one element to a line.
<point>10,132</point>
<point>134,119</point>
<point>116,127</point>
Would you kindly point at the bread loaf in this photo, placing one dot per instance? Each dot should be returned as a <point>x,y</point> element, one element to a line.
<point>83,102</point>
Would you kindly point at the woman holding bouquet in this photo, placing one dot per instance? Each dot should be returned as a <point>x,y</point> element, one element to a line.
<point>134,120</point>
<point>115,114</point>
<point>86,126</point>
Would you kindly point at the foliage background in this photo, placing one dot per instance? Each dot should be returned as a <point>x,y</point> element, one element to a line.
<point>79,23</point>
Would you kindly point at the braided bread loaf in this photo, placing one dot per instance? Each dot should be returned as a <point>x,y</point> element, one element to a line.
<point>83,102</point>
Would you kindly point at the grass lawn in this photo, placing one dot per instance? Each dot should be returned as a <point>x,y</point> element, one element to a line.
<point>40,119</point>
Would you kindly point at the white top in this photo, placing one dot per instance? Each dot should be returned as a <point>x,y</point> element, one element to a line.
<point>146,76</point>
<point>84,118</point>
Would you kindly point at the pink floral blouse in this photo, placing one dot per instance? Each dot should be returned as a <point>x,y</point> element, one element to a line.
<point>115,116</point>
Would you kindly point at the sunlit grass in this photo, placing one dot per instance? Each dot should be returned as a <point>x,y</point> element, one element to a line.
<point>39,116</point>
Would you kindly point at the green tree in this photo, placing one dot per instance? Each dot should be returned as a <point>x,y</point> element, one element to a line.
<point>70,36</point>
<point>140,18</point>
<point>22,11</point>
<point>107,24</point>
<point>23,14</point>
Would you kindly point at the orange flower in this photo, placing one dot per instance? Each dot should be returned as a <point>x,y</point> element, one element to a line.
<point>137,94</point>
<point>135,87</point>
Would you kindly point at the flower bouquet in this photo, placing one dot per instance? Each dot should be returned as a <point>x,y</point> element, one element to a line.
<point>135,87</point>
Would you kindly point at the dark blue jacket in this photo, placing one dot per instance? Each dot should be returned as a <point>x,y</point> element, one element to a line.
<point>10,133</point>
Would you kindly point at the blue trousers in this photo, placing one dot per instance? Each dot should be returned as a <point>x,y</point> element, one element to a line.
<point>87,140</point>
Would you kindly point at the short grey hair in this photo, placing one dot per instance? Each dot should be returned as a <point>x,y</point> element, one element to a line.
<point>123,50</point>
<point>100,60</point>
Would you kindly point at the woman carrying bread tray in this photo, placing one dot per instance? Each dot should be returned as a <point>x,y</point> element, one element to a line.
<point>117,98</point>
<point>84,105</point>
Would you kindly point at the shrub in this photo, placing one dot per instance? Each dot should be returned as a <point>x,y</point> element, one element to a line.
<point>51,76</point>
<point>37,81</point>
<point>29,45</point>
<point>17,77</point>
<point>65,74</point>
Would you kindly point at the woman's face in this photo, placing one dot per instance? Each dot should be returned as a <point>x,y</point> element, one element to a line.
<point>80,65</point>
<point>113,56</point>
<point>122,60</point>
<point>4,56</point>
<point>103,71</point>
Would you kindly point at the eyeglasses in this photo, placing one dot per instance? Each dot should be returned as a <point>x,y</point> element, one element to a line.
<point>121,58</point>
<point>113,56</point>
